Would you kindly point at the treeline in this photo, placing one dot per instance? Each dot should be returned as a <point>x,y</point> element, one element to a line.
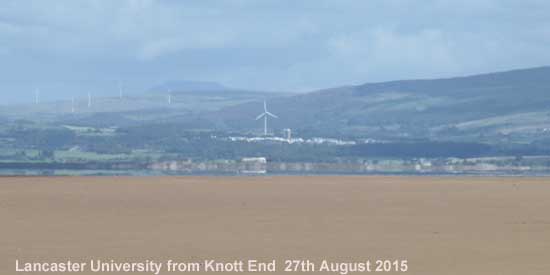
<point>45,139</point>
<point>421,150</point>
<point>175,140</point>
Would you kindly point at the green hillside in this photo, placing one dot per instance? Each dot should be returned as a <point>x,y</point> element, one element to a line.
<point>502,107</point>
<point>508,104</point>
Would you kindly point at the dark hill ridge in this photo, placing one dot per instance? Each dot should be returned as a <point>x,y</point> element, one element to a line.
<point>516,78</point>
<point>513,102</point>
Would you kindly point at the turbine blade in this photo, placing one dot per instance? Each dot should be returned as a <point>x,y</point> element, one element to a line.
<point>260,116</point>
<point>265,107</point>
<point>272,115</point>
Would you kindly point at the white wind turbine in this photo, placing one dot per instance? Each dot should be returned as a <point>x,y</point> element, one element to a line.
<point>120,95</point>
<point>265,114</point>
<point>36,96</point>
<point>89,100</point>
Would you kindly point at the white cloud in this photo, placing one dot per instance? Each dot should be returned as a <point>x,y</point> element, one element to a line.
<point>273,43</point>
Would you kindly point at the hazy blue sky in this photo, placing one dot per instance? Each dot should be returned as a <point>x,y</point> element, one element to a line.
<point>72,46</point>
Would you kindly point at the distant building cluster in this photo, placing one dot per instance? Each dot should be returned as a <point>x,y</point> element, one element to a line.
<point>315,140</point>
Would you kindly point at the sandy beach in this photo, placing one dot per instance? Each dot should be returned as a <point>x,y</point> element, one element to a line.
<point>446,225</point>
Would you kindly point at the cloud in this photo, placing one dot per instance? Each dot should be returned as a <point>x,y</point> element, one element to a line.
<point>272,44</point>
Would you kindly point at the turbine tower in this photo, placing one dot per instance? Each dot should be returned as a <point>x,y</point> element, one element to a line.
<point>120,95</point>
<point>36,96</point>
<point>89,100</point>
<point>73,105</point>
<point>288,134</point>
<point>266,114</point>
<point>169,97</point>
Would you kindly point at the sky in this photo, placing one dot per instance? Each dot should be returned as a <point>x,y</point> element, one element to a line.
<point>67,47</point>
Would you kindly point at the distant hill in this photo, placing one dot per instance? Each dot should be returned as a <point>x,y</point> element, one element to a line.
<point>204,89</point>
<point>503,107</point>
<point>170,101</point>
<point>188,86</point>
<point>514,103</point>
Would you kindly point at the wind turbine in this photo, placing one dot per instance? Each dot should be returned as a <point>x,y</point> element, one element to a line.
<point>72,105</point>
<point>89,100</point>
<point>120,95</point>
<point>266,114</point>
<point>169,97</point>
<point>36,96</point>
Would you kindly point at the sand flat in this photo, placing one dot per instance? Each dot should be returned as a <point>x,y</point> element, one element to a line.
<point>447,225</point>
